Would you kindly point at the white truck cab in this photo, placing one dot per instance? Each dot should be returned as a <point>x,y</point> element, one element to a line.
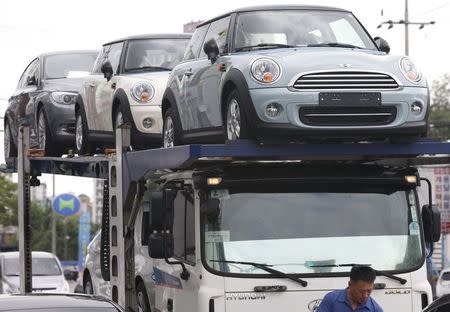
<point>269,237</point>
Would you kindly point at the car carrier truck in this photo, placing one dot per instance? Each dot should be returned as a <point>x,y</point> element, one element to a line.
<point>247,227</point>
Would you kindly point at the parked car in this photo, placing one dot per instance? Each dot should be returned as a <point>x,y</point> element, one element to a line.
<point>292,73</point>
<point>443,283</point>
<point>126,85</point>
<point>46,269</point>
<point>57,303</point>
<point>45,99</point>
<point>93,281</point>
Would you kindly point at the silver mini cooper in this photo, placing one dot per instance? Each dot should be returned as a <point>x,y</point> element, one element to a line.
<point>292,73</point>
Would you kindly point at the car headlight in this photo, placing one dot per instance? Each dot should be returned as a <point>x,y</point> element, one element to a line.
<point>409,70</point>
<point>64,97</point>
<point>265,70</point>
<point>142,91</point>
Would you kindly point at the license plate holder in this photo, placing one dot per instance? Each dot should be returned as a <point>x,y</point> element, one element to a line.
<point>350,99</point>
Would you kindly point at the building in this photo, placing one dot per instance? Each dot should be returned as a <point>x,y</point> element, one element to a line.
<point>190,27</point>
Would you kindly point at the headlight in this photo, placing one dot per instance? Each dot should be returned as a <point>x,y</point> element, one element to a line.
<point>64,97</point>
<point>142,92</point>
<point>265,70</point>
<point>409,70</point>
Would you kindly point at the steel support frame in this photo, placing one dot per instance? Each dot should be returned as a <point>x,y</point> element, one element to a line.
<point>122,277</point>
<point>25,259</point>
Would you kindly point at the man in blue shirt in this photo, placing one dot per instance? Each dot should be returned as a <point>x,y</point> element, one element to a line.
<point>356,297</point>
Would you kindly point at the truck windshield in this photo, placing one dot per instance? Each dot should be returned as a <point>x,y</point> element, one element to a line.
<point>275,29</point>
<point>303,232</point>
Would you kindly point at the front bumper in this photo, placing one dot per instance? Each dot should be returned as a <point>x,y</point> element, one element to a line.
<point>61,118</point>
<point>290,124</point>
<point>142,137</point>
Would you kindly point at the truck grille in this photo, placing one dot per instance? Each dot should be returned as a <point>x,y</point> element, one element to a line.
<point>347,116</point>
<point>345,80</point>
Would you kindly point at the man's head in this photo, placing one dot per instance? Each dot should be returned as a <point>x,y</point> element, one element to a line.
<point>361,283</point>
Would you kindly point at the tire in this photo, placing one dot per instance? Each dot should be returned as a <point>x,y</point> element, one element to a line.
<point>44,137</point>
<point>82,144</point>
<point>235,122</point>
<point>9,148</point>
<point>142,298</point>
<point>171,134</point>
<point>88,287</point>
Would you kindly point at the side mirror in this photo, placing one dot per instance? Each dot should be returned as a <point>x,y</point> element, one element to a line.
<point>107,70</point>
<point>211,49</point>
<point>31,81</point>
<point>161,245</point>
<point>431,218</point>
<point>211,209</point>
<point>382,44</point>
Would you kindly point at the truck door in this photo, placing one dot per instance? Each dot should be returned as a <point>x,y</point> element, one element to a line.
<point>173,293</point>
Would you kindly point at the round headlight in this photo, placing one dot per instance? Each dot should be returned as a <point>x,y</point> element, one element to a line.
<point>142,92</point>
<point>64,97</point>
<point>409,70</point>
<point>265,70</point>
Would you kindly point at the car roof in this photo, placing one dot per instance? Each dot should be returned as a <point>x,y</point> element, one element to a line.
<point>152,36</point>
<point>68,52</point>
<point>274,8</point>
<point>36,254</point>
<point>51,301</point>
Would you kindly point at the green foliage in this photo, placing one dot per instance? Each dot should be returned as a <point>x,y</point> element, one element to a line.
<point>8,201</point>
<point>439,118</point>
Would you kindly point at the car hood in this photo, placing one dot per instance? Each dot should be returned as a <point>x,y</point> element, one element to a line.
<point>41,283</point>
<point>297,61</point>
<point>64,84</point>
<point>150,75</point>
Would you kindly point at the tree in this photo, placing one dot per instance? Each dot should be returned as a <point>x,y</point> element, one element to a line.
<point>440,109</point>
<point>8,201</point>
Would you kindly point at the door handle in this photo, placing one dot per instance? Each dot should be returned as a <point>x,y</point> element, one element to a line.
<point>188,73</point>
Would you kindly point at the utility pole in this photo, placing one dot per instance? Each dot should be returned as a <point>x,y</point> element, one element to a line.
<point>53,218</point>
<point>406,22</point>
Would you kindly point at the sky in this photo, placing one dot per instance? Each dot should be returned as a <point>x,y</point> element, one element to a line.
<point>28,28</point>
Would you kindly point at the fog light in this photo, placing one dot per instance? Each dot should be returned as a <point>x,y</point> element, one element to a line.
<point>147,123</point>
<point>273,110</point>
<point>416,108</point>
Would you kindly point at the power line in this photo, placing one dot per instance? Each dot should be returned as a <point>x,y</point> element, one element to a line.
<point>406,22</point>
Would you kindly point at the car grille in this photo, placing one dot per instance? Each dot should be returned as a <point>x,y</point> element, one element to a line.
<point>345,80</point>
<point>347,116</point>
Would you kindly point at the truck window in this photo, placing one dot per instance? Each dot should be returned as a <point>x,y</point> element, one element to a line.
<point>184,226</point>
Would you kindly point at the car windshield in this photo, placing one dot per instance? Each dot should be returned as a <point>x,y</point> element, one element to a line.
<point>287,28</point>
<point>309,230</point>
<point>154,54</point>
<point>60,65</point>
<point>40,266</point>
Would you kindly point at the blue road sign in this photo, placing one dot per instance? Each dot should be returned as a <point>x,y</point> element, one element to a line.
<point>66,204</point>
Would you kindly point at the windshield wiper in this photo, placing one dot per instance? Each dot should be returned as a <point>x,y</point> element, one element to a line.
<point>267,268</point>
<point>334,44</point>
<point>381,273</point>
<point>264,45</point>
<point>150,68</point>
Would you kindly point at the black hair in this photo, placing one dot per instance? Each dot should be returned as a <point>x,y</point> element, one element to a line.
<point>362,273</point>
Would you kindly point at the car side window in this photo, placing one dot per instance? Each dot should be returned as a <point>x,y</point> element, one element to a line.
<point>184,226</point>
<point>196,43</point>
<point>112,53</point>
<point>31,70</point>
<point>219,32</point>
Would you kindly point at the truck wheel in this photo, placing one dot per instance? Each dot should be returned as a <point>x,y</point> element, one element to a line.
<point>83,145</point>
<point>9,148</point>
<point>142,298</point>
<point>235,122</point>
<point>171,129</point>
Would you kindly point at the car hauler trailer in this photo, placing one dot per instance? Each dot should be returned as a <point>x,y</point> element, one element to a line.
<point>245,227</point>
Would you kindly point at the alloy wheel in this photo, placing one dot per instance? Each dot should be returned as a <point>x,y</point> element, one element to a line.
<point>119,119</point>
<point>7,141</point>
<point>169,133</point>
<point>141,302</point>
<point>42,131</point>
<point>233,120</point>
<point>79,132</point>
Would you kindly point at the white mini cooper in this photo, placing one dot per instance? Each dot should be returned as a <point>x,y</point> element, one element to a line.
<point>126,85</point>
